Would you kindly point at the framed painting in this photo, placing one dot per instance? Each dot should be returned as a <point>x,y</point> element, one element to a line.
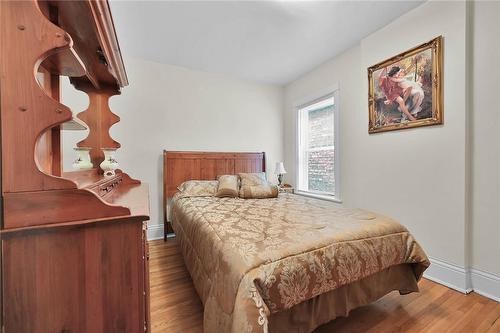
<point>405,91</point>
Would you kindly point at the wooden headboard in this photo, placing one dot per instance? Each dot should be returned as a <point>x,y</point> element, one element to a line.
<point>179,166</point>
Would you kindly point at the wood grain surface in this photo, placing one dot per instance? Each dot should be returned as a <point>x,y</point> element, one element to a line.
<point>179,166</point>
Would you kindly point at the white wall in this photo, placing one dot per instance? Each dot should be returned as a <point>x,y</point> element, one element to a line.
<point>442,182</point>
<point>423,176</point>
<point>486,137</point>
<point>418,175</point>
<point>173,108</point>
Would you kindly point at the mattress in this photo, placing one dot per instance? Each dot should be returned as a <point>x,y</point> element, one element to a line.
<point>254,261</point>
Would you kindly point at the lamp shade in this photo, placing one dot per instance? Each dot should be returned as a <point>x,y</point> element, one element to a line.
<point>280,169</point>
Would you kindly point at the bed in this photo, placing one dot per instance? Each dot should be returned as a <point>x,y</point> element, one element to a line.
<point>286,264</point>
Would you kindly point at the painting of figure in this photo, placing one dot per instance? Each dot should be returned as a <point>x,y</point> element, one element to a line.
<point>405,91</point>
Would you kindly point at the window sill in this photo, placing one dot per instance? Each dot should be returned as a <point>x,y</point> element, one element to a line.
<point>319,196</point>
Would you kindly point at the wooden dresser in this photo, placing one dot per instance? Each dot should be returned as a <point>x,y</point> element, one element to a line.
<point>74,255</point>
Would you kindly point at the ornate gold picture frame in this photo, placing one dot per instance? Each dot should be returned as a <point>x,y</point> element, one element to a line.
<point>405,91</point>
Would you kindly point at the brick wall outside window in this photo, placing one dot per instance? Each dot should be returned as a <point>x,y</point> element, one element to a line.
<point>321,153</point>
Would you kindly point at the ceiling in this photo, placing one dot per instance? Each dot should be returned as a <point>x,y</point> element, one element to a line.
<point>265,41</point>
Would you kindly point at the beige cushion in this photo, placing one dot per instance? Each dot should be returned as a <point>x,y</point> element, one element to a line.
<point>256,186</point>
<point>253,179</point>
<point>259,191</point>
<point>198,188</point>
<point>228,186</point>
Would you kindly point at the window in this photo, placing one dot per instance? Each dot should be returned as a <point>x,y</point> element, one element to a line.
<point>317,153</point>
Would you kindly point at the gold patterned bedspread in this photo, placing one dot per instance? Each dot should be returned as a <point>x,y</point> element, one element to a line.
<point>252,257</point>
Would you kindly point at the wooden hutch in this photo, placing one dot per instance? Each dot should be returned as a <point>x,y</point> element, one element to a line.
<point>74,255</point>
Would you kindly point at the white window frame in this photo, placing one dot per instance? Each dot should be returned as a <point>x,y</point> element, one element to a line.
<point>304,103</point>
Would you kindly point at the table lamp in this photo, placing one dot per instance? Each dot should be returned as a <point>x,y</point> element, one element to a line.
<point>280,171</point>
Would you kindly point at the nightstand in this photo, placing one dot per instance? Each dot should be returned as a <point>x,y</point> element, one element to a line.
<point>286,189</point>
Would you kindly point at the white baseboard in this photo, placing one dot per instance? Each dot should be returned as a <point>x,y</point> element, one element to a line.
<point>451,275</point>
<point>155,231</point>
<point>486,284</point>
<point>464,279</point>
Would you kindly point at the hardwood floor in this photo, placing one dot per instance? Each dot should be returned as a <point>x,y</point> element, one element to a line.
<point>175,306</point>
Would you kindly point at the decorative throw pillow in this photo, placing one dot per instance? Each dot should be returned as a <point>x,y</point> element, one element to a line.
<point>228,186</point>
<point>253,179</point>
<point>198,188</point>
<point>256,186</point>
<point>259,191</point>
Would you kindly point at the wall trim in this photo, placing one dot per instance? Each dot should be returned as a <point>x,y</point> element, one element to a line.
<point>451,275</point>
<point>486,284</point>
<point>464,280</point>
<point>155,231</point>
